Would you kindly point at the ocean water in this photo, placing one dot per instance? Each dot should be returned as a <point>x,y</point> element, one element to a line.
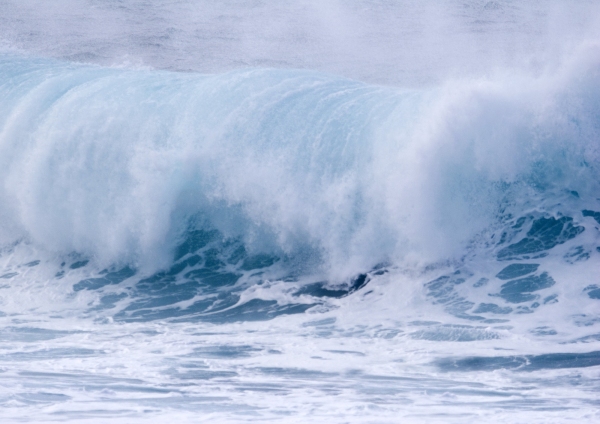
<point>252,211</point>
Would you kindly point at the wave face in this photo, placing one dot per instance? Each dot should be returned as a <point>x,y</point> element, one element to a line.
<point>117,165</point>
<point>258,243</point>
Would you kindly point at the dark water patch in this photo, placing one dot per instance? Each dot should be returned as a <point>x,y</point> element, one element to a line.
<point>521,363</point>
<point>222,308</point>
<point>123,388</point>
<point>32,263</point>
<point>442,388</point>
<point>544,234</point>
<point>593,214</point>
<point>170,274</point>
<point>9,275</point>
<point>258,262</point>
<point>516,270</point>
<point>255,310</point>
<point>225,351</point>
<point>587,339</point>
<point>193,364</point>
<point>593,291</point>
<point>320,323</point>
<point>576,254</point>
<point>108,278</point>
<point>194,241</point>
<point>155,282</point>
<point>380,271</point>
<point>423,323</point>
<point>519,223</point>
<point>584,320</point>
<point>109,301</point>
<point>295,373</point>
<point>41,397</point>
<point>492,308</point>
<point>520,290</point>
<point>459,309</point>
<point>56,353</point>
<point>594,294</point>
<point>204,284</point>
<point>153,308</point>
<point>544,331</point>
<point>454,333</point>
<point>237,255</point>
<point>31,334</point>
<point>199,374</point>
<point>321,289</point>
<point>523,310</point>
<point>481,282</point>
<point>346,352</point>
<point>442,289</point>
<point>79,264</point>
<point>551,299</point>
<point>205,269</point>
<point>359,282</point>
<point>102,381</point>
<point>213,279</point>
<point>387,333</point>
<point>166,295</point>
<point>262,388</point>
<point>210,281</point>
<point>135,314</point>
<point>178,267</point>
<point>213,259</point>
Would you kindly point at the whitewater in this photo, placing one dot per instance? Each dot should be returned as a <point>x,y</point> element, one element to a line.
<point>239,211</point>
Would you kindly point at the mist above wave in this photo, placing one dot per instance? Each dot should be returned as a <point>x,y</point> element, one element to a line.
<point>401,42</point>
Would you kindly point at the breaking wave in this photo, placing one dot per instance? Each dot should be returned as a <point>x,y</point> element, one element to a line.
<point>197,189</point>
